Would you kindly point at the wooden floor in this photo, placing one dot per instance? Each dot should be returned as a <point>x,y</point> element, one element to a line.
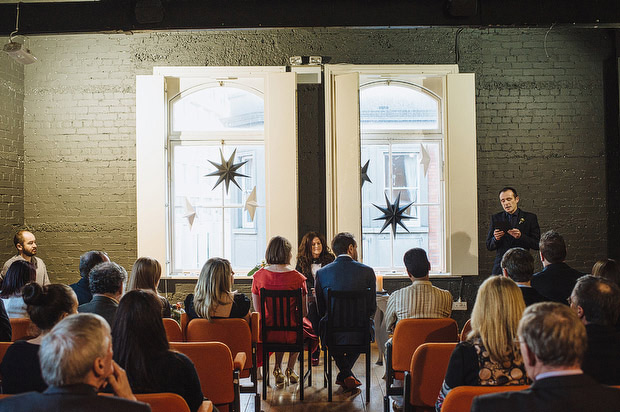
<point>315,397</point>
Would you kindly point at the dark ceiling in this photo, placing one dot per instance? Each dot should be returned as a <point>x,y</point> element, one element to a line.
<point>133,15</point>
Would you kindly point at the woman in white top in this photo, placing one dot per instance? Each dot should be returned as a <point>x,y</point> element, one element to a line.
<point>17,276</point>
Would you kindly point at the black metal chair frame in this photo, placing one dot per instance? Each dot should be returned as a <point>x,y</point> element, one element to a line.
<point>356,300</point>
<point>282,318</point>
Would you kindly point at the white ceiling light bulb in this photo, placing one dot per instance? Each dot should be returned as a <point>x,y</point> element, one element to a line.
<point>16,50</point>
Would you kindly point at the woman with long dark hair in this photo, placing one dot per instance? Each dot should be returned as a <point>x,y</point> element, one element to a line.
<point>145,274</point>
<point>313,254</point>
<point>17,276</point>
<point>46,306</point>
<point>141,348</point>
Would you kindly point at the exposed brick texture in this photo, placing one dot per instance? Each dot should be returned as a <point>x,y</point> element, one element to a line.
<point>11,153</point>
<point>540,123</point>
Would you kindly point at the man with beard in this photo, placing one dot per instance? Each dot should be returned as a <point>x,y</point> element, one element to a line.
<point>26,245</point>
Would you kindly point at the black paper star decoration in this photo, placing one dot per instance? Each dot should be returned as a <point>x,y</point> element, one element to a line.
<point>365,177</point>
<point>227,170</point>
<point>393,214</point>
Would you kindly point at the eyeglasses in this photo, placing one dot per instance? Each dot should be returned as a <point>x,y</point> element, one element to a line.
<point>569,300</point>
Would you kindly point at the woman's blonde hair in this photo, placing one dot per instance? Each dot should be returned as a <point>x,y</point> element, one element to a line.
<point>145,274</point>
<point>495,317</point>
<point>213,287</point>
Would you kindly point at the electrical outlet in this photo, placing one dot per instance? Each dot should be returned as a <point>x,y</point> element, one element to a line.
<point>459,305</point>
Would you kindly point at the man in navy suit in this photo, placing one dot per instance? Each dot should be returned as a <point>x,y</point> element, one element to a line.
<point>345,274</point>
<point>76,362</point>
<point>511,228</point>
<point>553,343</point>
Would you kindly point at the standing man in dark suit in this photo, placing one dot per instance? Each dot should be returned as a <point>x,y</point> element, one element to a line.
<point>553,342</point>
<point>76,362</point>
<point>557,280</point>
<point>107,281</point>
<point>345,274</point>
<point>511,228</point>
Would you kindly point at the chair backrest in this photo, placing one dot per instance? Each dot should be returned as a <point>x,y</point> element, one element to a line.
<point>173,330</point>
<point>281,312</point>
<point>184,322</point>
<point>428,370</point>
<point>3,348</point>
<point>22,328</point>
<point>234,333</point>
<point>164,402</point>
<point>466,330</point>
<point>345,316</point>
<point>214,364</point>
<point>411,333</point>
<point>460,398</point>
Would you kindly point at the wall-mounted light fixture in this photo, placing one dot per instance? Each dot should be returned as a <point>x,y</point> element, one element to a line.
<point>17,50</point>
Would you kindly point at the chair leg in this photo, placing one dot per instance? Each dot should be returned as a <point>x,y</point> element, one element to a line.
<point>256,402</point>
<point>368,376</point>
<point>265,375</point>
<point>325,367</point>
<point>386,403</point>
<point>301,373</point>
<point>329,377</point>
<point>309,367</point>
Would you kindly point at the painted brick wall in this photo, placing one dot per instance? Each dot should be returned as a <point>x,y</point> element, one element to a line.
<point>540,122</point>
<point>11,153</point>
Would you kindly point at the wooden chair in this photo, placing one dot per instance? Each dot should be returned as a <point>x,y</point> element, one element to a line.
<point>460,398</point>
<point>425,376</point>
<point>284,308</point>
<point>408,335</point>
<point>23,328</point>
<point>465,331</point>
<point>238,336</point>
<point>217,371</point>
<point>343,317</point>
<point>173,330</point>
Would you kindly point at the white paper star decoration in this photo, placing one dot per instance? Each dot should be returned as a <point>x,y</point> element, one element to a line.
<point>251,204</point>
<point>190,213</point>
<point>227,170</point>
<point>393,214</point>
<point>426,159</point>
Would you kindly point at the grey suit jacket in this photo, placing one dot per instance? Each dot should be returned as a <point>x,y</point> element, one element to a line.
<point>578,393</point>
<point>102,306</point>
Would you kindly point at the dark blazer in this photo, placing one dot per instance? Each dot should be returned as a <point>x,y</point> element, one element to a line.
<point>102,306</point>
<point>602,358</point>
<point>527,223</point>
<point>556,282</point>
<point>531,295</point>
<point>345,274</point>
<point>72,398</point>
<point>574,393</point>
<point>6,331</point>
<point>82,291</point>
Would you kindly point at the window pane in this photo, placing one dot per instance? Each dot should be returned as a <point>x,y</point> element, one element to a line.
<point>218,109</point>
<point>394,106</point>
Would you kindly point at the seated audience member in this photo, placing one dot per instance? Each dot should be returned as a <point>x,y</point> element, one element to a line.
<point>145,274</point>
<point>553,343</point>
<point>420,299</point>
<point>87,261</point>
<point>312,254</point>
<point>490,356</point>
<point>6,330</point>
<point>106,284</point>
<point>19,274</point>
<point>597,303</point>
<point>518,265</point>
<point>76,362</point>
<point>26,246</point>
<point>47,305</point>
<point>608,269</point>
<point>557,280</point>
<point>141,348</point>
<point>213,297</point>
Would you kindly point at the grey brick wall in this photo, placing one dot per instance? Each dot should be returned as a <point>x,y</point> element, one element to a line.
<point>11,153</point>
<point>540,122</point>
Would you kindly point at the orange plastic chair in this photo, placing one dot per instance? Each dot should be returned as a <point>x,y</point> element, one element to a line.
<point>408,335</point>
<point>425,376</point>
<point>173,330</point>
<point>3,348</point>
<point>164,402</point>
<point>466,330</point>
<point>184,322</point>
<point>23,328</point>
<point>218,373</point>
<point>460,398</point>
<point>238,336</point>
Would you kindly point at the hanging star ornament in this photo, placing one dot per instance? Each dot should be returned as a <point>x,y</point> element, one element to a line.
<point>190,213</point>
<point>365,177</point>
<point>251,204</point>
<point>393,214</point>
<point>227,170</point>
<point>426,159</point>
